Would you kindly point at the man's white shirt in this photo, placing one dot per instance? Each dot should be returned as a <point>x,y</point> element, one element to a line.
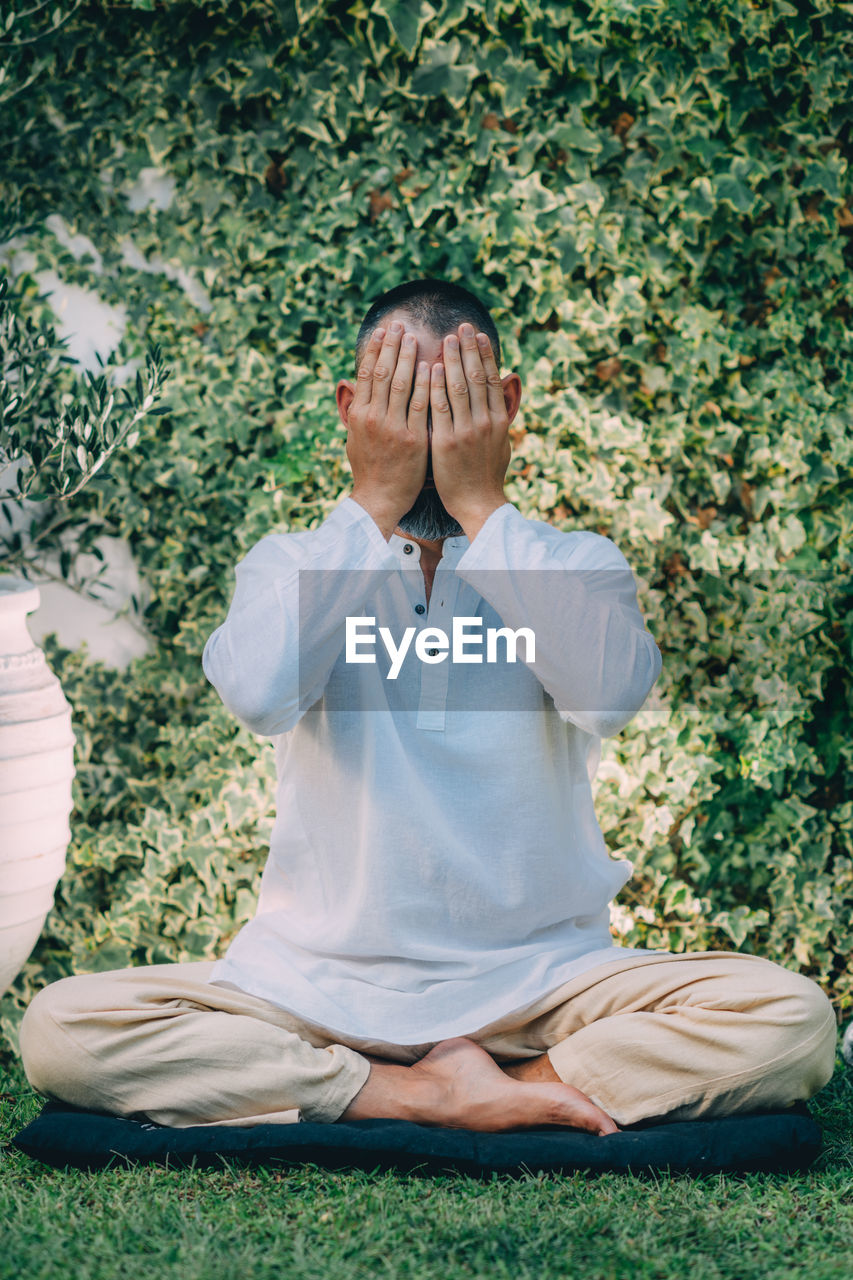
<point>435,862</point>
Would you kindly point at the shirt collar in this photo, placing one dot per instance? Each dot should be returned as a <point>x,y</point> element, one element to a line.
<point>452,550</point>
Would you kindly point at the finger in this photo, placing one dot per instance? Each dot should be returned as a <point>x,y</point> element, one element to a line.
<point>419,403</point>
<point>475,375</point>
<point>364,377</point>
<point>401,381</point>
<point>383,371</point>
<point>442,418</point>
<point>494,386</point>
<point>456,383</point>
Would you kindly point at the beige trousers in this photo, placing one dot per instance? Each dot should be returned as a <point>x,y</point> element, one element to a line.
<point>680,1037</point>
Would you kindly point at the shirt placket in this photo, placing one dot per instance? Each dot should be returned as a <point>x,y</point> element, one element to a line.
<point>435,676</point>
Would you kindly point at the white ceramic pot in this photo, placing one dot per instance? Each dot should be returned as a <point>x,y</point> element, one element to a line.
<point>36,771</point>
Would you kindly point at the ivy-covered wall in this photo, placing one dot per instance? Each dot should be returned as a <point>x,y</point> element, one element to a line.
<point>655,200</point>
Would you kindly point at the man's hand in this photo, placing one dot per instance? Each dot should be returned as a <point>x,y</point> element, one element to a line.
<point>386,440</point>
<point>470,429</point>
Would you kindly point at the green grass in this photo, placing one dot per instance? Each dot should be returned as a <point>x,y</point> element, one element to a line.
<point>233,1224</point>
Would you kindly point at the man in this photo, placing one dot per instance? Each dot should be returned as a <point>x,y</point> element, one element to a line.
<point>432,936</point>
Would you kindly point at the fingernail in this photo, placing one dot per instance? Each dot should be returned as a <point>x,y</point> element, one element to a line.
<point>423,368</point>
<point>466,330</point>
<point>453,342</point>
<point>379,334</point>
<point>483,340</point>
<point>396,327</point>
<point>408,339</point>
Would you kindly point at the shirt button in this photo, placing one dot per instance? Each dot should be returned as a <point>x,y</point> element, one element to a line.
<point>419,608</point>
<point>408,549</point>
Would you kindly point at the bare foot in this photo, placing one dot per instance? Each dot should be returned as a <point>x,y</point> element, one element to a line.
<point>460,1086</point>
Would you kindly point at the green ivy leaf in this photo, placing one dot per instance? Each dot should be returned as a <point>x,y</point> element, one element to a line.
<point>406,20</point>
<point>441,76</point>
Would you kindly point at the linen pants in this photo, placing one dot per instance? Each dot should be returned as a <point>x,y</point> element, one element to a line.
<point>654,1036</point>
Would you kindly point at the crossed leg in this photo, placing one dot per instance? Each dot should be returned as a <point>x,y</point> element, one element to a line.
<point>707,1034</point>
<point>683,1037</point>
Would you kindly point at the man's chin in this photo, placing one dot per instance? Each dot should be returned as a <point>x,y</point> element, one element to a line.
<point>429,519</point>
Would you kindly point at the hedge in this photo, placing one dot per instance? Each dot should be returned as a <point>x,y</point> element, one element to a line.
<point>655,201</point>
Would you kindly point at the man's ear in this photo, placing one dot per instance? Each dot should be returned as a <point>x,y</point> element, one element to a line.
<point>512,394</point>
<point>344,393</point>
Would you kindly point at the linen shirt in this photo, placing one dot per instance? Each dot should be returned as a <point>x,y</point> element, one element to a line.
<point>435,861</point>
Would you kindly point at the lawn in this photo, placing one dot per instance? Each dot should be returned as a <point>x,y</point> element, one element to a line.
<point>150,1223</point>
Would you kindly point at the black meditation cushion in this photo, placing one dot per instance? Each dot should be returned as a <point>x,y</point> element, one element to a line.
<point>63,1135</point>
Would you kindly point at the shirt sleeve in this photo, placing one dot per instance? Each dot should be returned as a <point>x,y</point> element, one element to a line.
<point>271,658</point>
<point>576,592</point>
